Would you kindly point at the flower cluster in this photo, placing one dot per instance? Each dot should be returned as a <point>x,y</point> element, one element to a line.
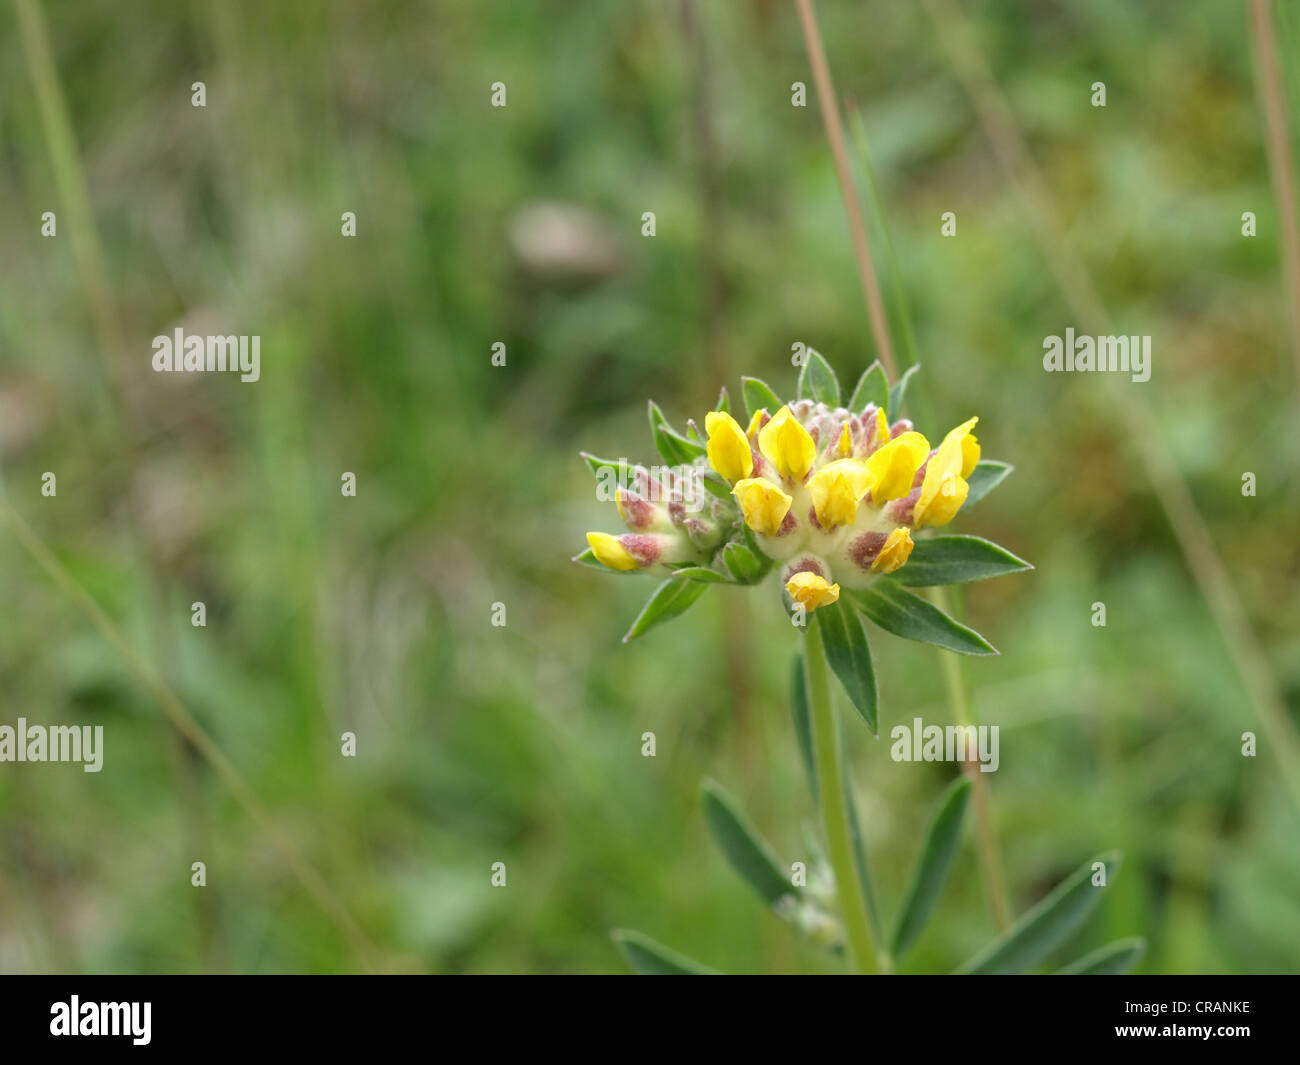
<point>828,493</point>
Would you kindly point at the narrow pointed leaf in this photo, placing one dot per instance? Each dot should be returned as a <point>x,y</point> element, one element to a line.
<point>741,845</point>
<point>654,959</point>
<point>677,450</point>
<point>898,394</point>
<point>849,656</point>
<point>1047,925</point>
<point>873,387</point>
<point>803,720</point>
<point>906,614</point>
<point>860,857</point>
<point>758,396</point>
<point>956,559</point>
<point>817,381</point>
<point>621,467</point>
<point>1113,959</point>
<point>670,599</point>
<point>985,477</point>
<point>724,401</point>
<point>932,866</point>
<point>702,574</point>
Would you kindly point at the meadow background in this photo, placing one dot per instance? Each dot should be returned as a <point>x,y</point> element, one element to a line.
<point>522,225</point>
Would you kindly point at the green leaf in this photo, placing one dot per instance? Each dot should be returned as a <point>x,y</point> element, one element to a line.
<point>758,396</point>
<point>702,574</point>
<point>724,401</point>
<point>1113,959</point>
<point>676,449</point>
<point>715,485</point>
<point>906,614</point>
<point>898,394</point>
<point>873,387</point>
<point>985,477</point>
<point>955,559</point>
<point>817,381</point>
<point>746,566</point>
<point>621,467</point>
<point>693,431</point>
<point>803,720</point>
<point>588,558</point>
<point>1047,925</point>
<point>740,843</point>
<point>932,867</point>
<point>670,599</point>
<point>654,959</point>
<point>849,656</point>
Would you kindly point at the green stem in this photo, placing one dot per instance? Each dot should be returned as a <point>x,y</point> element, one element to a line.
<point>834,802</point>
<point>995,881</point>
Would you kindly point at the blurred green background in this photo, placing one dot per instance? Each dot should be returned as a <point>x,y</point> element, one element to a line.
<point>522,225</point>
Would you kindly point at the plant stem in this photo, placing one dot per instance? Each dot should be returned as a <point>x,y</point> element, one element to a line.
<point>986,840</point>
<point>834,802</point>
<point>812,39</point>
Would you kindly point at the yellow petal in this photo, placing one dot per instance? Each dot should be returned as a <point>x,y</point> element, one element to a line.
<point>897,550</point>
<point>763,504</point>
<point>728,446</point>
<point>610,552</point>
<point>787,446</point>
<point>882,426</point>
<point>811,590</point>
<point>756,421</point>
<point>837,489</point>
<point>846,441</point>
<point>970,454</point>
<point>970,446</point>
<point>893,467</point>
<point>944,489</point>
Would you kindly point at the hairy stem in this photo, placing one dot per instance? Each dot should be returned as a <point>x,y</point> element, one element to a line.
<point>834,802</point>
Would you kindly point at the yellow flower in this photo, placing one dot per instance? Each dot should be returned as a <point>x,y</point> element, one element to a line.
<point>897,550</point>
<point>787,446</point>
<point>944,489</point>
<point>610,552</point>
<point>728,448</point>
<point>837,489</point>
<point>756,422</point>
<point>763,504</point>
<point>811,590</point>
<point>893,467</point>
<point>845,446</point>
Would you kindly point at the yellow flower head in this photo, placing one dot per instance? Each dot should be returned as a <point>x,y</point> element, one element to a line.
<point>812,590</point>
<point>944,489</point>
<point>897,550</point>
<point>610,552</point>
<point>894,466</point>
<point>837,489</point>
<point>763,504</point>
<point>728,447</point>
<point>787,446</point>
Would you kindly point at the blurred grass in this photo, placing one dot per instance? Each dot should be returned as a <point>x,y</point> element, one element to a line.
<point>522,744</point>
